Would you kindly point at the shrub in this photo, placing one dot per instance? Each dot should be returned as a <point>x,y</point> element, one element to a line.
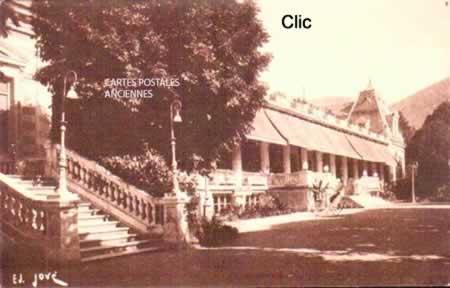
<point>401,188</point>
<point>269,205</point>
<point>388,193</point>
<point>147,171</point>
<point>187,183</point>
<point>442,194</point>
<point>214,233</point>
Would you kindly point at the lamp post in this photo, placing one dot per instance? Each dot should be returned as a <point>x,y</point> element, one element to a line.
<point>175,108</point>
<point>414,167</point>
<point>62,191</point>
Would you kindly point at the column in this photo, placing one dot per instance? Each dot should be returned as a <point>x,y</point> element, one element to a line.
<point>393,173</point>
<point>381,171</point>
<point>365,172</point>
<point>319,161</point>
<point>265,159</point>
<point>287,159</point>
<point>304,154</point>
<point>344,168</point>
<point>333,164</point>
<point>403,166</point>
<point>295,159</point>
<point>355,169</point>
<point>237,164</point>
<point>374,169</point>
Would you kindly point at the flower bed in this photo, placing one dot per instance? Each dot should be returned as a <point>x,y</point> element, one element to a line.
<point>267,206</point>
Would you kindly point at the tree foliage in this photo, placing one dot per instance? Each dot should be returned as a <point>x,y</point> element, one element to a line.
<point>430,146</point>
<point>210,46</point>
<point>406,129</point>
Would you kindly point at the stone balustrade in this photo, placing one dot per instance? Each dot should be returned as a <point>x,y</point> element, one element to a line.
<point>131,205</point>
<point>49,225</point>
<point>223,179</point>
<point>367,185</point>
<point>304,178</point>
<point>7,167</point>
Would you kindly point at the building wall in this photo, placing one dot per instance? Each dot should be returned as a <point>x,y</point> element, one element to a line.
<point>29,114</point>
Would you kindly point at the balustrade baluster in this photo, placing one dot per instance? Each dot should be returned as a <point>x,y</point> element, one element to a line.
<point>106,189</point>
<point>150,213</point>
<point>130,202</point>
<point>144,210</point>
<point>113,190</point>
<point>69,169</point>
<point>88,179</point>
<point>120,197</point>
<point>76,170</point>
<point>22,213</point>
<point>29,214</point>
<point>82,175</point>
<point>38,220</point>
<point>137,206</point>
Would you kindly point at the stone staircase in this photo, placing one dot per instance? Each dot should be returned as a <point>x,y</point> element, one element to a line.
<point>371,202</point>
<point>101,235</point>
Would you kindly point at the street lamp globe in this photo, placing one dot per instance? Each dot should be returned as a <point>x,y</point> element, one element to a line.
<point>72,94</point>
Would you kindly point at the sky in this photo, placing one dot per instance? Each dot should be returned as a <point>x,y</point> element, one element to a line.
<point>402,46</point>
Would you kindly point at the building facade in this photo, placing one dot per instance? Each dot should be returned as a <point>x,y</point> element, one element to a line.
<point>294,144</point>
<point>25,104</point>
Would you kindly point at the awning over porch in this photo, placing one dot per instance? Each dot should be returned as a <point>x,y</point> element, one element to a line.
<point>371,151</point>
<point>264,131</point>
<point>312,136</point>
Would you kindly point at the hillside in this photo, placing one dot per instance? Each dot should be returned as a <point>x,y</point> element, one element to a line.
<point>417,107</point>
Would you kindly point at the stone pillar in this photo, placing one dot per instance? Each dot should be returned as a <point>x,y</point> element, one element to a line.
<point>355,169</point>
<point>287,159</point>
<point>265,158</point>
<point>176,229</point>
<point>333,164</point>
<point>62,230</point>
<point>319,161</point>
<point>304,153</point>
<point>344,164</point>
<point>237,164</point>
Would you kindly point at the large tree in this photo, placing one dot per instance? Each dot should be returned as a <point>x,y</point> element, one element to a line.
<point>210,46</point>
<point>406,129</point>
<point>430,146</point>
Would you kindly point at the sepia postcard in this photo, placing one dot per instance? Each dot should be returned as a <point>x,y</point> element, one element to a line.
<point>224,143</point>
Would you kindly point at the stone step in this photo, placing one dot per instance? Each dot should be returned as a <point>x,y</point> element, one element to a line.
<point>97,224</point>
<point>95,233</point>
<point>114,248</point>
<point>123,253</point>
<point>85,204</point>
<point>92,218</point>
<point>108,240</point>
<point>87,212</point>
